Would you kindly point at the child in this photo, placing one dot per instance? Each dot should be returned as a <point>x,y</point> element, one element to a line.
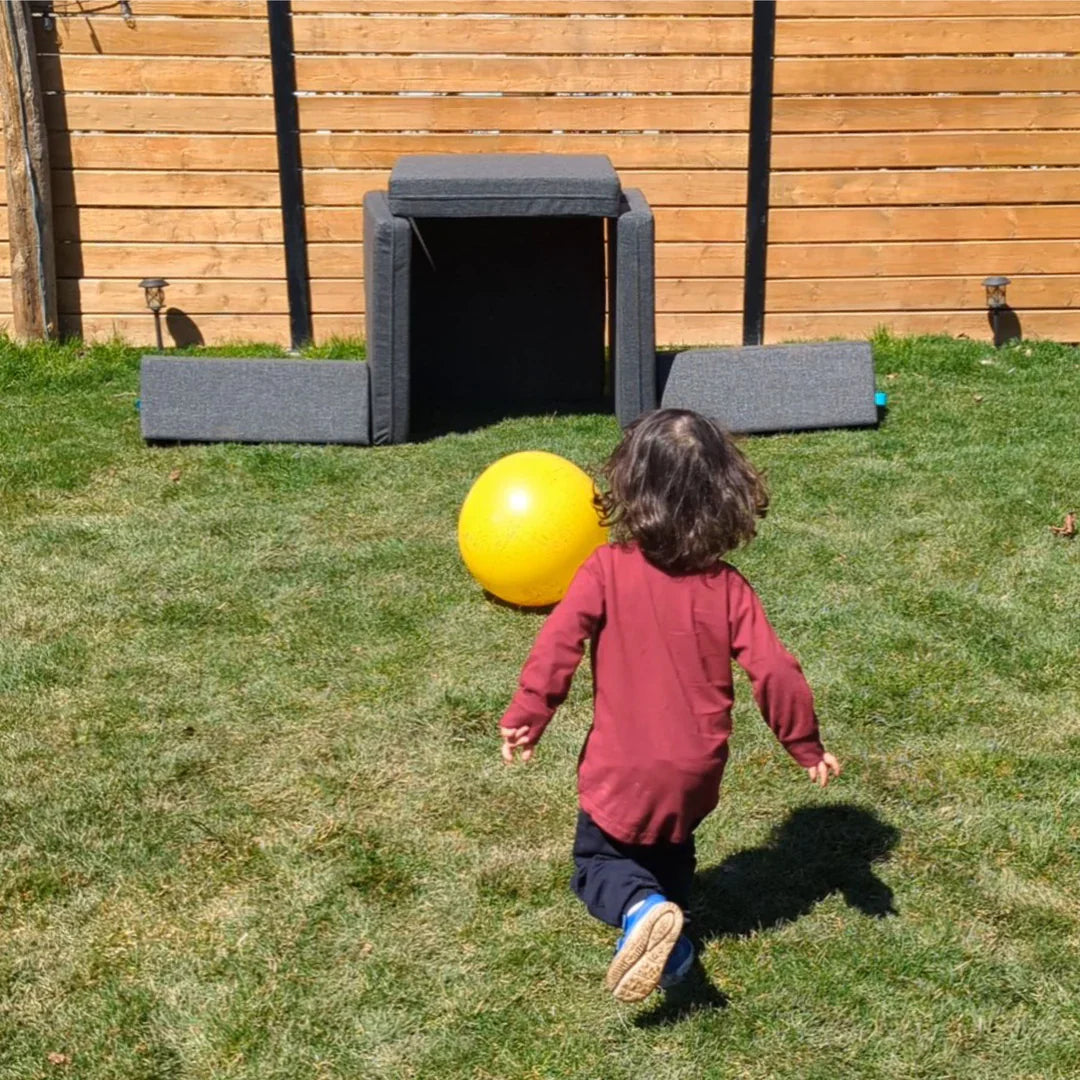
<point>665,617</point>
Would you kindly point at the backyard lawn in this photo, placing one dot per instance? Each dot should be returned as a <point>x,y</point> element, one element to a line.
<point>253,821</point>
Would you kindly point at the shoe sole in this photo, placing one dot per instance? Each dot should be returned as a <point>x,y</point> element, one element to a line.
<point>635,972</point>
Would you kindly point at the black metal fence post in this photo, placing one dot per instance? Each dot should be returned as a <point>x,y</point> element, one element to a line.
<point>757,175</point>
<point>290,173</point>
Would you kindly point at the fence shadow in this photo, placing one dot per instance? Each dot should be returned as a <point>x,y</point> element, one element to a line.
<point>67,225</point>
<point>814,852</point>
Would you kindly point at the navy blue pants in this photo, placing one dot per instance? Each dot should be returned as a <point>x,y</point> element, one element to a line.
<point>609,875</point>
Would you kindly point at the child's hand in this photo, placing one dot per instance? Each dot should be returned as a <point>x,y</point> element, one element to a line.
<point>515,739</point>
<point>819,773</point>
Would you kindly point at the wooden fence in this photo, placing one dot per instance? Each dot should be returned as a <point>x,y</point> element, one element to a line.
<point>917,146</point>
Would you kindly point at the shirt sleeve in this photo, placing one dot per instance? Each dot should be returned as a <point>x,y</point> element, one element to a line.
<point>556,653</point>
<point>780,688</point>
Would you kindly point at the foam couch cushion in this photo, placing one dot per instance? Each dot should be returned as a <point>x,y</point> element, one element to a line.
<point>633,302</point>
<point>777,387</point>
<point>207,399</point>
<point>387,264</point>
<point>504,185</point>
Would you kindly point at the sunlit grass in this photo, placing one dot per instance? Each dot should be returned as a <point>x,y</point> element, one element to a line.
<point>253,824</point>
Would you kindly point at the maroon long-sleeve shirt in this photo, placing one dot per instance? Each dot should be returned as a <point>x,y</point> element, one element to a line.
<point>662,648</point>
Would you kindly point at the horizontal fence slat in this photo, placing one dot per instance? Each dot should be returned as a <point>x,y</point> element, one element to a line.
<point>91,188</point>
<point>626,150</point>
<point>675,295</point>
<point>204,296</point>
<point>210,329</point>
<point>134,261</point>
<point>117,150</point>
<point>830,115</point>
<point>873,187</point>
<point>329,224</point>
<point>335,260</point>
<point>166,225</point>
<point>888,35</point>
<point>107,34</point>
<point>136,113</point>
<point>698,328</point>
<point>133,112</point>
<point>326,327</point>
<point>384,113</point>
<point>926,75</point>
<point>188,330</point>
<point>469,34</point>
<point>703,225</point>
<point>164,75</point>
<point>203,9</point>
<point>95,296</point>
<point>1057,325</point>
<point>926,148</point>
<point>688,259</point>
<point>917,294</point>
<point>373,74</point>
<point>521,74</point>
<point>526,7</point>
<point>866,294</point>
<point>699,187</point>
<point>787,225</point>
<point>1010,257</point>
<point>340,296</point>
<point>845,9</point>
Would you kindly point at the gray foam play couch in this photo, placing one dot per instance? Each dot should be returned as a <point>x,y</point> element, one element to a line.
<point>486,272</point>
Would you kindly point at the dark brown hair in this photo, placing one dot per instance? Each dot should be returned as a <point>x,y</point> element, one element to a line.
<point>680,487</point>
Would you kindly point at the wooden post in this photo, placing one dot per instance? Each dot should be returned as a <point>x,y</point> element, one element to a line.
<point>33,257</point>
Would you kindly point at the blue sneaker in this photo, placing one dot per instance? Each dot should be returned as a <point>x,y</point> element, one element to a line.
<point>650,931</point>
<point>678,964</point>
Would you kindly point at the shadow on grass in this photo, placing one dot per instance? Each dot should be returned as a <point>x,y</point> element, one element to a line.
<point>814,852</point>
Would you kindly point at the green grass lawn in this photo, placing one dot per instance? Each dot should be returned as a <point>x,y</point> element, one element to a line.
<point>252,817</point>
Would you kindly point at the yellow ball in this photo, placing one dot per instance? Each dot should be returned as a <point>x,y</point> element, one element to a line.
<point>526,526</point>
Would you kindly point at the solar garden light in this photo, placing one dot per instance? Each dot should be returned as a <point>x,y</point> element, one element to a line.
<point>995,301</point>
<point>155,301</point>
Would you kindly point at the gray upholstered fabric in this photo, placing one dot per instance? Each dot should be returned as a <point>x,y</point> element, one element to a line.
<point>504,185</point>
<point>206,399</point>
<point>633,288</point>
<point>777,387</point>
<point>387,255</point>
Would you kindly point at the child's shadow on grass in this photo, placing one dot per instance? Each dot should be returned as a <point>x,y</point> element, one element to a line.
<point>814,852</point>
